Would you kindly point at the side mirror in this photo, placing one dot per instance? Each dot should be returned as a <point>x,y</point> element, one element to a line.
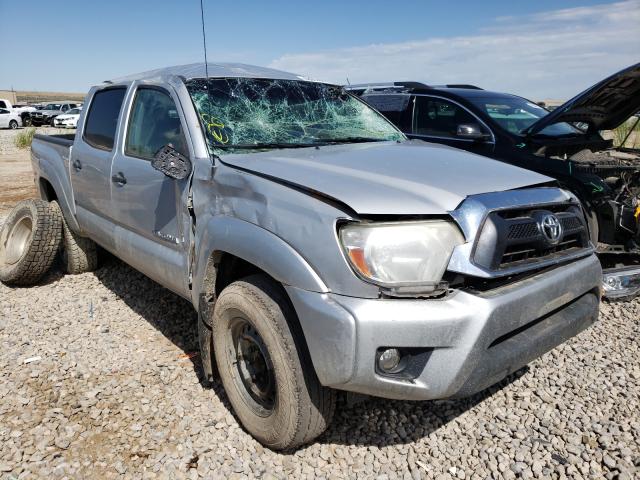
<point>172,163</point>
<point>470,131</point>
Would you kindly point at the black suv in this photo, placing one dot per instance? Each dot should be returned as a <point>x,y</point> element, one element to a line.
<point>565,144</point>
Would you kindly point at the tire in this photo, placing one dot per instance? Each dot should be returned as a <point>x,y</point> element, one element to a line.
<point>29,241</point>
<point>79,254</point>
<point>13,124</point>
<point>290,407</point>
<point>53,122</point>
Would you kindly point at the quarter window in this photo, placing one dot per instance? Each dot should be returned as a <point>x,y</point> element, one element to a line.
<point>154,122</point>
<point>440,118</point>
<point>102,120</point>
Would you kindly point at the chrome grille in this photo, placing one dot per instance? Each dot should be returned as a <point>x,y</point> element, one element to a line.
<point>514,238</point>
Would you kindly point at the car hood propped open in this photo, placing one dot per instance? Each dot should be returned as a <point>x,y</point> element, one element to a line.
<point>409,178</point>
<point>604,106</point>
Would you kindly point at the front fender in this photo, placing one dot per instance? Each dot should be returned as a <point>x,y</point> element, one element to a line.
<point>255,245</point>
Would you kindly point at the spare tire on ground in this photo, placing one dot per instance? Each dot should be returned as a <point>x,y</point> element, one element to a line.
<point>30,238</point>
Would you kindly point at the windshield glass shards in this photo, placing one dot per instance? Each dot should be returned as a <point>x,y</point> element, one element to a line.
<point>516,114</point>
<point>249,113</point>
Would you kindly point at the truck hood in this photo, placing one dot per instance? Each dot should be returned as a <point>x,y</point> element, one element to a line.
<point>603,106</point>
<point>388,178</point>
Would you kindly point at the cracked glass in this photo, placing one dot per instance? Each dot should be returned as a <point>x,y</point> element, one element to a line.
<point>250,113</point>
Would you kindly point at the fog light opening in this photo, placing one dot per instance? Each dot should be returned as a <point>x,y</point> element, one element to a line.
<point>389,360</point>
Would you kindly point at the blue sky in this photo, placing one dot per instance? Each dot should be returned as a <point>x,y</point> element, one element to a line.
<point>542,49</point>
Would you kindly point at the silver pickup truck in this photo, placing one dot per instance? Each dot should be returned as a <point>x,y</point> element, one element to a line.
<point>322,250</point>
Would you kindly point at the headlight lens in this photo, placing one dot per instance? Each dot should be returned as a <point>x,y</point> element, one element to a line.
<point>401,254</point>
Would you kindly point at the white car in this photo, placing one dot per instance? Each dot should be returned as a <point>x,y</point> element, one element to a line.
<point>9,119</point>
<point>69,119</point>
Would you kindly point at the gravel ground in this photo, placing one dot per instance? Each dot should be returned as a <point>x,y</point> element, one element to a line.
<point>100,379</point>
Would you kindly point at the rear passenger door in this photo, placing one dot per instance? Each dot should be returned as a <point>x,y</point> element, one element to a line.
<point>90,165</point>
<point>436,119</point>
<point>149,207</point>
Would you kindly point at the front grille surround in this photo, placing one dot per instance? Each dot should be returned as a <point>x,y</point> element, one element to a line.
<point>513,239</point>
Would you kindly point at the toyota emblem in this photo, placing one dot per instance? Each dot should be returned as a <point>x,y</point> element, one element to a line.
<point>551,228</point>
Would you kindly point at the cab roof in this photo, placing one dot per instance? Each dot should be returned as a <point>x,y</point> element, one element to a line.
<point>215,70</point>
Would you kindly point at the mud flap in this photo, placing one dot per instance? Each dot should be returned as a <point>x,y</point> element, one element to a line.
<point>206,341</point>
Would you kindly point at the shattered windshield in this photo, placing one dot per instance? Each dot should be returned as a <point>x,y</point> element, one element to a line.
<point>250,113</point>
<point>516,114</point>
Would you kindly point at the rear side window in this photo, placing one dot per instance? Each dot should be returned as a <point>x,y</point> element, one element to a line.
<point>154,123</point>
<point>391,106</point>
<point>102,120</point>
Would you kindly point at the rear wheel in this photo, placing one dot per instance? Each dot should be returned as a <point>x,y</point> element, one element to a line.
<point>29,241</point>
<point>79,254</point>
<point>264,365</point>
<point>13,124</point>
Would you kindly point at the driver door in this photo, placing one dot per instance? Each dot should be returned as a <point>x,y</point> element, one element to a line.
<point>149,207</point>
<point>436,119</point>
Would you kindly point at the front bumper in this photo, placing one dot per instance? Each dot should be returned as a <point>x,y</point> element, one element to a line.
<point>471,341</point>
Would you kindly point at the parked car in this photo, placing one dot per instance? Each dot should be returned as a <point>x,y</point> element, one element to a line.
<point>9,119</point>
<point>47,115</point>
<point>321,248</point>
<point>21,109</point>
<point>69,119</point>
<point>515,130</point>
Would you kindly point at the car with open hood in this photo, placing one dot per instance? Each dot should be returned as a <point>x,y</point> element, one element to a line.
<point>321,248</point>
<point>566,144</point>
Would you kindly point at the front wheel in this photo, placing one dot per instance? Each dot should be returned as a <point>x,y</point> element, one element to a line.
<point>13,124</point>
<point>264,366</point>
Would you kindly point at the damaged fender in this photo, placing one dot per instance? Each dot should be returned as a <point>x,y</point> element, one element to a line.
<point>239,238</point>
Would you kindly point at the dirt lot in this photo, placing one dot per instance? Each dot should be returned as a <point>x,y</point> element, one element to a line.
<point>100,378</point>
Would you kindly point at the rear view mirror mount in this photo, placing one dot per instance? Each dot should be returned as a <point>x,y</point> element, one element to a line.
<point>172,163</point>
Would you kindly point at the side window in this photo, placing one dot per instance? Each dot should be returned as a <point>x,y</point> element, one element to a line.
<point>391,106</point>
<point>440,118</point>
<point>3,104</point>
<point>153,123</point>
<point>65,107</point>
<point>102,120</point>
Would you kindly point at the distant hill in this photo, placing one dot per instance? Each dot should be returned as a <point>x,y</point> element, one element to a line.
<point>37,97</point>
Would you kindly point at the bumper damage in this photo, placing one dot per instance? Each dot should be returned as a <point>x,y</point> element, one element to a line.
<point>454,346</point>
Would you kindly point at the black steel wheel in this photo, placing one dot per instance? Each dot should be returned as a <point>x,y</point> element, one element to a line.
<point>265,367</point>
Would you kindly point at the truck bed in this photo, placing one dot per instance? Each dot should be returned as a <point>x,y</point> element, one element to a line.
<point>64,139</point>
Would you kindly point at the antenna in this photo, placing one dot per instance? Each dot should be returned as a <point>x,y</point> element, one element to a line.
<point>204,42</point>
<point>206,72</point>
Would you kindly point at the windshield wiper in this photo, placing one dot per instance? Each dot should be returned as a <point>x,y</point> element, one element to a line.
<point>354,140</point>
<point>258,146</point>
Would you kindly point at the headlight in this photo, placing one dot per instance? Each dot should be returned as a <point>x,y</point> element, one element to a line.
<point>413,255</point>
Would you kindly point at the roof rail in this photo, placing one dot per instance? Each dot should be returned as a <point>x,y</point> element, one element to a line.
<point>388,85</point>
<point>463,85</point>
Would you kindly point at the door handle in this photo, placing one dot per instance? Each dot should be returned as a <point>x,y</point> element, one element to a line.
<point>119,179</point>
<point>77,166</point>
